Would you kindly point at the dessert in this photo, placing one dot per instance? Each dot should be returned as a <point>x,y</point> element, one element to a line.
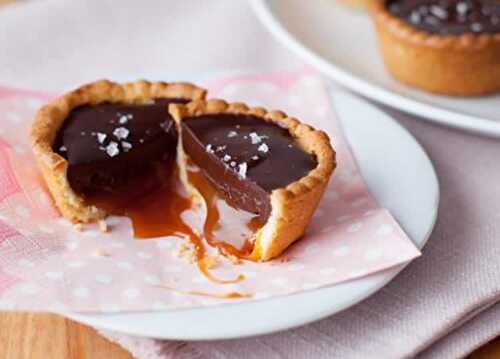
<point>153,151</point>
<point>448,47</point>
<point>262,162</point>
<point>105,138</point>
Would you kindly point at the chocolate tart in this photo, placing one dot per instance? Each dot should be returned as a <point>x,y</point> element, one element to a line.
<point>104,137</point>
<point>449,47</point>
<point>263,162</point>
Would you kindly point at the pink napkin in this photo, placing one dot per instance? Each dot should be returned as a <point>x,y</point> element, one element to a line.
<point>349,236</point>
<point>434,308</point>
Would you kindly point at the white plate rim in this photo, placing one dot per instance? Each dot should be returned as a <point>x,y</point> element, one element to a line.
<point>478,125</point>
<point>123,322</point>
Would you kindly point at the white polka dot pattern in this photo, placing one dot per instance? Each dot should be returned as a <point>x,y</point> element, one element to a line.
<point>53,266</point>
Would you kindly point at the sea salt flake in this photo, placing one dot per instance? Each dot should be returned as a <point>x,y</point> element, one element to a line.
<point>62,149</point>
<point>112,149</point>
<point>123,120</point>
<point>101,137</point>
<point>232,134</point>
<point>476,27</point>
<point>255,158</point>
<point>462,7</point>
<point>242,169</point>
<point>415,18</point>
<point>263,148</point>
<point>220,148</point>
<point>255,138</point>
<point>126,146</point>
<point>209,148</point>
<point>166,125</point>
<point>439,12</point>
<point>226,158</point>
<point>130,116</point>
<point>83,133</point>
<point>121,133</point>
<point>232,164</point>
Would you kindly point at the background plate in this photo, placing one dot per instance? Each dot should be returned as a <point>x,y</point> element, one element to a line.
<point>392,178</point>
<point>341,43</point>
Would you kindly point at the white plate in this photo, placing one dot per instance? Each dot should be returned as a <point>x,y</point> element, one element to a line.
<point>341,43</point>
<point>400,176</point>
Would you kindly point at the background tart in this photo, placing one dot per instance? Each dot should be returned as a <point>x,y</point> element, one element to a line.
<point>263,162</point>
<point>448,47</point>
<point>105,137</point>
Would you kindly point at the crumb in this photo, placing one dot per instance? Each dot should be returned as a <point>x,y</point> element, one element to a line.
<point>235,260</point>
<point>211,262</point>
<point>103,226</point>
<point>100,253</point>
<point>284,259</point>
<point>78,227</point>
<point>185,249</point>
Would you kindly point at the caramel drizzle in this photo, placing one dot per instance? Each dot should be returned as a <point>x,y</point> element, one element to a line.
<point>163,218</point>
<point>210,195</point>
<point>230,295</point>
<point>158,213</point>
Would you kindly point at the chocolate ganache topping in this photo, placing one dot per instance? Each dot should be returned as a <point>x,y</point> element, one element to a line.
<point>453,17</point>
<point>245,157</point>
<point>109,145</point>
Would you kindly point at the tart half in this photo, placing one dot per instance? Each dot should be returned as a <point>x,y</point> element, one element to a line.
<point>262,162</point>
<point>449,47</point>
<point>106,138</point>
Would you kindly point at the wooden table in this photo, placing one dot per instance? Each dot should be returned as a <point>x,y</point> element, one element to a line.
<point>42,336</point>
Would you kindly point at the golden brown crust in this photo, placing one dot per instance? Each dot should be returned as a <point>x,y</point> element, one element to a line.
<point>294,205</point>
<point>457,65</point>
<point>50,118</point>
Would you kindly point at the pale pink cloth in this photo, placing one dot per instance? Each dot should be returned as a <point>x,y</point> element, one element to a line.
<point>432,308</point>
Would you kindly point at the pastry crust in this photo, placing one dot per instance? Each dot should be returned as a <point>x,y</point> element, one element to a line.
<point>292,206</point>
<point>50,118</point>
<point>456,65</point>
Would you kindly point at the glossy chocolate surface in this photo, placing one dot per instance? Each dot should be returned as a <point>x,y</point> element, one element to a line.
<point>453,17</point>
<point>108,146</point>
<point>245,157</point>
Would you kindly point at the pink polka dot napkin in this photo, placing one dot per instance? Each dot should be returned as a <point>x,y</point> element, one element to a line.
<point>45,264</point>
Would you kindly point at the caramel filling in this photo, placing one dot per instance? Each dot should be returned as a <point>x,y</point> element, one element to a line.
<point>238,240</point>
